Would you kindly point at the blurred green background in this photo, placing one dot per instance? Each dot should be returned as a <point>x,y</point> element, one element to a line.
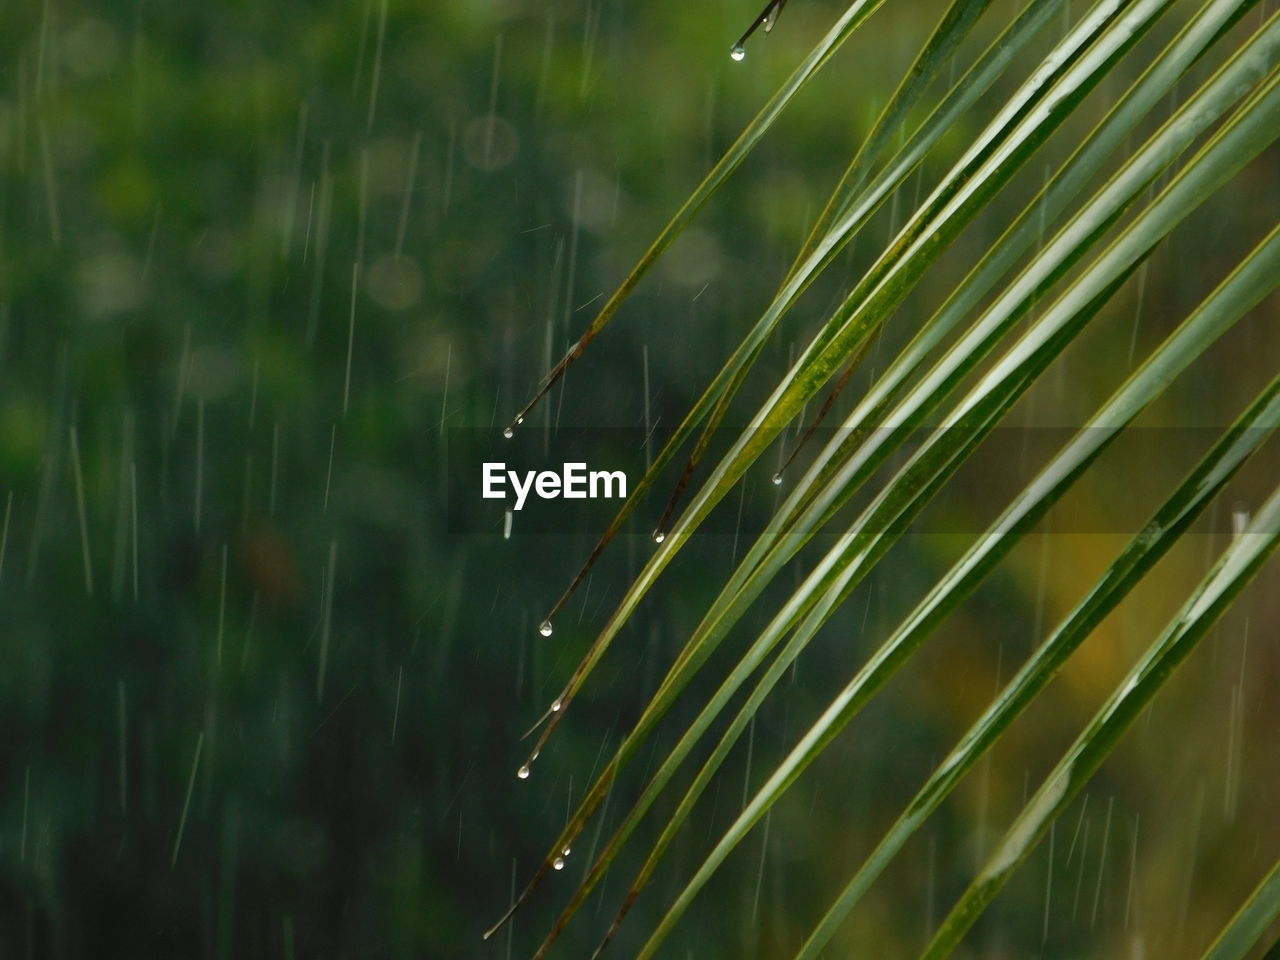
<point>257,699</point>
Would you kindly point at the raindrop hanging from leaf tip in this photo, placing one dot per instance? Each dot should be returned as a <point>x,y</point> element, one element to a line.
<point>545,629</point>
<point>767,18</point>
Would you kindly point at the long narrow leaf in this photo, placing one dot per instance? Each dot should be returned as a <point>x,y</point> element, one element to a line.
<point>1021,127</point>
<point>852,565</point>
<point>1237,566</point>
<point>1238,294</point>
<point>1192,338</point>
<point>951,30</point>
<point>1216,98</point>
<point>849,21</point>
<point>1246,928</point>
<point>994,61</point>
<point>938,50</point>
<point>838,474</point>
<point>1199,112</point>
<point>1249,132</point>
<point>734,370</point>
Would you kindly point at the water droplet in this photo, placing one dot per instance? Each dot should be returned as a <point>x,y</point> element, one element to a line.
<point>777,479</point>
<point>739,52</point>
<point>558,863</point>
<point>523,772</point>
<point>555,707</point>
<point>658,536</point>
<point>545,629</point>
<point>508,433</point>
<point>565,852</point>
<point>519,421</point>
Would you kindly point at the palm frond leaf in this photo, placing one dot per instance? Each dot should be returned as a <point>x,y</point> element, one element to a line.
<point>1022,304</point>
<point>1233,571</point>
